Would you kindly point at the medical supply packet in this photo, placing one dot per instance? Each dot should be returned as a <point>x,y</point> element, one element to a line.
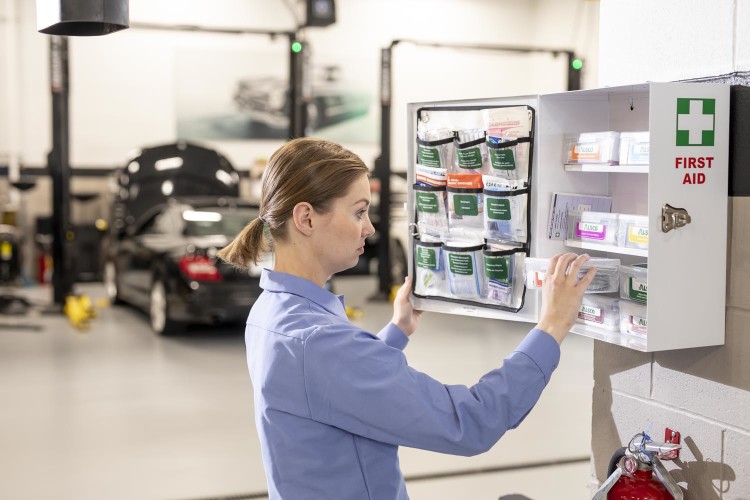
<point>562,203</point>
<point>606,280</point>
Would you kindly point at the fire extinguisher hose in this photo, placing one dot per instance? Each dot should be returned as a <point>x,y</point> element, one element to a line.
<point>619,453</point>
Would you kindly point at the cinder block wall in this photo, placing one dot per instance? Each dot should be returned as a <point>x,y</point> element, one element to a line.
<point>703,393</point>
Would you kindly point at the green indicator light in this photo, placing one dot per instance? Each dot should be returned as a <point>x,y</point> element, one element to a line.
<point>296,47</point>
<point>577,64</point>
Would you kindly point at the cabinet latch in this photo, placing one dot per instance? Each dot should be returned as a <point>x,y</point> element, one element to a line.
<point>672,218</point>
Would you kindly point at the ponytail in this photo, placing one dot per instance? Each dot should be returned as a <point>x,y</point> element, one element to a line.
<point>247,248</point>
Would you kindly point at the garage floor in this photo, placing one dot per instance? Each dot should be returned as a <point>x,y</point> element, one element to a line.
<point>117,413</point>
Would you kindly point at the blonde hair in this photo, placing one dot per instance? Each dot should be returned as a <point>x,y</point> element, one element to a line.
<point>303,170</point>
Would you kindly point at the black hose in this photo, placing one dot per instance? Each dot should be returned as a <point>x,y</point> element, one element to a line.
<point>619,453</point>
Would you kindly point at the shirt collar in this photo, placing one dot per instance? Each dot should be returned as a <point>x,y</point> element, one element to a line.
<point>274,281</point>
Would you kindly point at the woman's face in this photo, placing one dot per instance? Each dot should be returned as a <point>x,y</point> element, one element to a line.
<point>341,238</point>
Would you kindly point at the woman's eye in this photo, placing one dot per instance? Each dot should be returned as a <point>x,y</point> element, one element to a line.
<point>360,214</point>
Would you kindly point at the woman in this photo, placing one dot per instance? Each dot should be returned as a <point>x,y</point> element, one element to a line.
<point>332,401</point>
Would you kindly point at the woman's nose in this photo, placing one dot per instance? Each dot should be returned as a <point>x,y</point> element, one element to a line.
<point>369,228</point>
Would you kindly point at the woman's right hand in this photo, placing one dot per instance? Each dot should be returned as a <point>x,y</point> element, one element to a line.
<point>562,294</point>
<point>404,315</point>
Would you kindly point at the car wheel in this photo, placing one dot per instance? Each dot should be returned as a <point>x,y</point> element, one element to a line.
<point>111,285</point>
<point>158,310</point>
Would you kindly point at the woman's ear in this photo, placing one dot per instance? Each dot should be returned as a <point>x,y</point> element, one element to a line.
<point>302,215</point>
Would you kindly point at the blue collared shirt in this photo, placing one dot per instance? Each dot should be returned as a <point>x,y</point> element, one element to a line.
<point>333,402</point>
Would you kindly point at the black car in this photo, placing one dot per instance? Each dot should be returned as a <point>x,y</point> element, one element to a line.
<point>167,265</point>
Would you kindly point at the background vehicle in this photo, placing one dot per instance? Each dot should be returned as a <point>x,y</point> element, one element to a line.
<point>167,264</point>
<point>173,207</point>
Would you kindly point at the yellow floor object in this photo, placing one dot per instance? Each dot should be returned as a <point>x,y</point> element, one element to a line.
<point>354,313</point>
<point>101,303</point>
<point>79,311</point>
<point>394,291</point>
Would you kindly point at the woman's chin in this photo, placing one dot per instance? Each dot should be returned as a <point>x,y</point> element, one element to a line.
<point>349,265</point>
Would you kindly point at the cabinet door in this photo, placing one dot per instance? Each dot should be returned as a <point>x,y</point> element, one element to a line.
<point>689,129</point>
<point>451,114</point>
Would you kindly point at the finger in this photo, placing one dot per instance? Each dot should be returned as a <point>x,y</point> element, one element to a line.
<point>587,278</point>
<point>562,265</point>
<point>403,292</point>
<point>576,265</point>
<point>552,265</point>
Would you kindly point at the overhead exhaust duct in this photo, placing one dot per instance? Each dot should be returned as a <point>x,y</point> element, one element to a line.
<point>81,17</point>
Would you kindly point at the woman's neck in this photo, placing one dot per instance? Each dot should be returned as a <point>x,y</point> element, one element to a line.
<point>292,259</point>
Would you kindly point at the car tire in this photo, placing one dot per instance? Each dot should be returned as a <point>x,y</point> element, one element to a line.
<point>158,310</point>
<point>111,283</point>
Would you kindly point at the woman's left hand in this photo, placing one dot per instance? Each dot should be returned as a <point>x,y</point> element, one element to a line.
<point>404,315</point>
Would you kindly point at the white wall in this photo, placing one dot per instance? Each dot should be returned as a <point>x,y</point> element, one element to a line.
<point>123,85</point>
<point>572,24</point>
<point>672,40</point>
<point>703,393</point>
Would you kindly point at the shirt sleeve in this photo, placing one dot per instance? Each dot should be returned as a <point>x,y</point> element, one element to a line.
<point>358,383</point>
<point>393,336</point>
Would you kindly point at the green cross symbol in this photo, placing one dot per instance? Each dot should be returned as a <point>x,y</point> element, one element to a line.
<point>696,121</point>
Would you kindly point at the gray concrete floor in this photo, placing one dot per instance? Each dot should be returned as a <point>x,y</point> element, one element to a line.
<point>118,413</point>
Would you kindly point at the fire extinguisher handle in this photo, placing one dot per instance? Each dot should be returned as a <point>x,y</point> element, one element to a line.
<point>607,485</point>
<point>666,479</point>
<point>613,474</point>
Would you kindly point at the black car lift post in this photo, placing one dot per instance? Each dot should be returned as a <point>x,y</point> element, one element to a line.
<point>58,165</point>
<point>383,162</point>
<point>297,88</point>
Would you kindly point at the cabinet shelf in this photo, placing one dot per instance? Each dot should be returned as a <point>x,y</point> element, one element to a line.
<point>623,339</point>
<point>606,167</point>
<point>606,248</point>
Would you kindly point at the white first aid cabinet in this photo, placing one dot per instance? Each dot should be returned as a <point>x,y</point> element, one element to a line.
<point>688,125</point>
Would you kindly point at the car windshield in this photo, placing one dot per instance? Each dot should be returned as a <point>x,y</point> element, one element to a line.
<point>217,221</point>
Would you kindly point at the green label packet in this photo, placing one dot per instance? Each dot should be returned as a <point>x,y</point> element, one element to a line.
<point>469,158</point>
<point>427,202</point>
<point>427,258</point>
<point>428,156</point>
<point>465,204</point>
<point>502,159</point>
<point>462,264</point>
<point>637,290</point>
<point>497,267</point>
<point>498,208</point>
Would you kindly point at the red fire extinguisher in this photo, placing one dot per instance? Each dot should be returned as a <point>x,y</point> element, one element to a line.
<point>636,472</point>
